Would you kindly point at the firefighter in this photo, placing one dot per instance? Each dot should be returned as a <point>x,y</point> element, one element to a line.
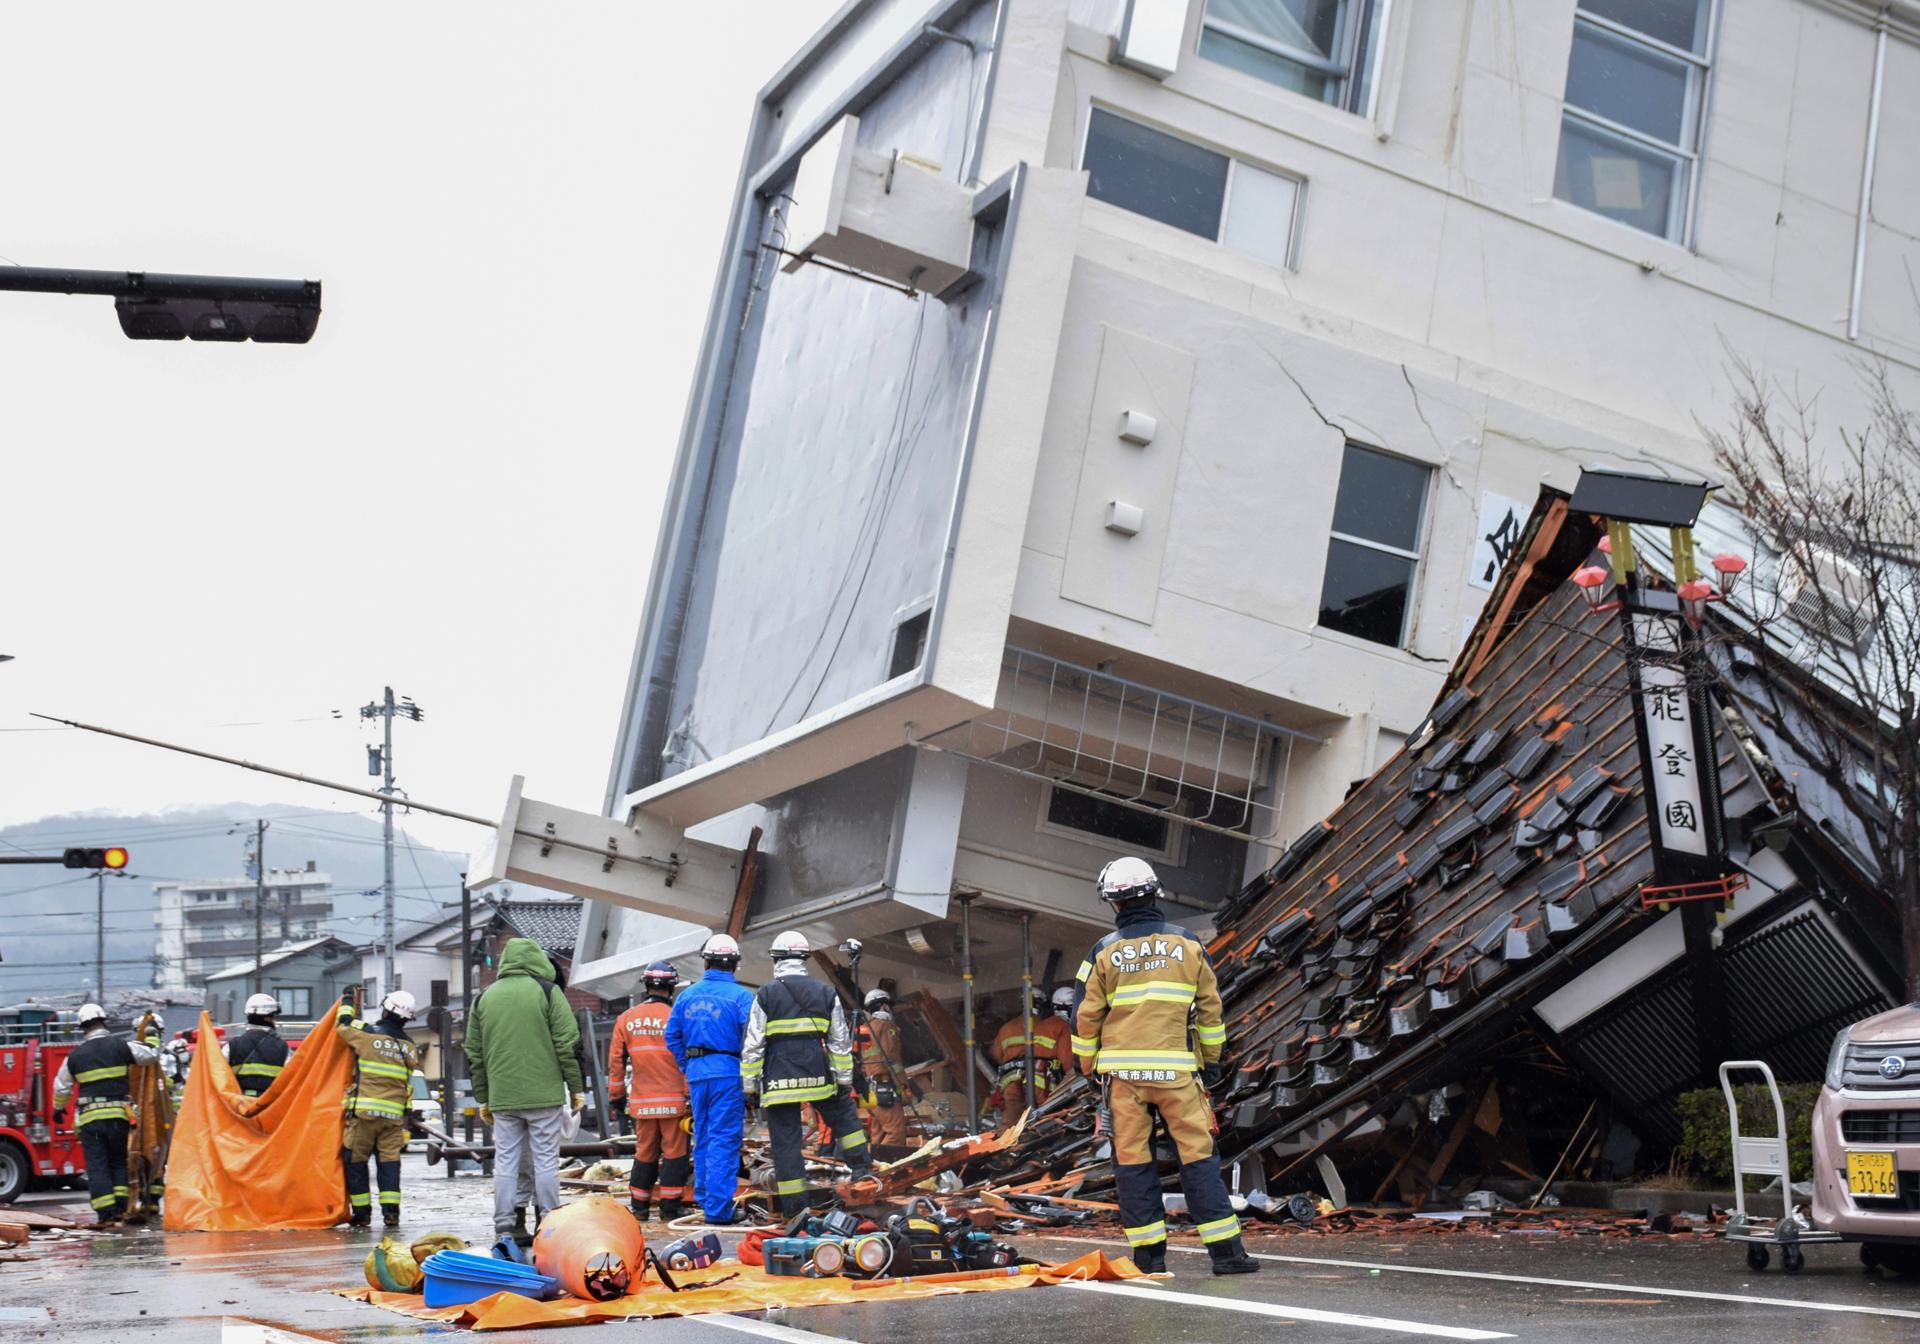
<point>98,1069</point>
<point>656,1099</point>
<point>1140,986</point>
<point>878,1038</point>
<point>260,1052</point>
<point>798,1049</point>
<point>378,1103</point>
<point>706,1032</point>
<point>1011,1045</point>
<point>1053,1042</point>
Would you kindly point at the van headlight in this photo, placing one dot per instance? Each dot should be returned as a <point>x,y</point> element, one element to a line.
<point>1837,1060</point>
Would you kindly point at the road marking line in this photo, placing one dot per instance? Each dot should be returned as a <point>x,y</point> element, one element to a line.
<point>764,1329</point>
<point>1694,1293</point>
<point>1252,1308</point>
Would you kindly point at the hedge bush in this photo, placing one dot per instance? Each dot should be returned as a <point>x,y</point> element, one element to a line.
<point>1706,1138</point>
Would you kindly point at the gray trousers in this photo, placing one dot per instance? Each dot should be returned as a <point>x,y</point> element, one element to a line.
<point>521,1138</point>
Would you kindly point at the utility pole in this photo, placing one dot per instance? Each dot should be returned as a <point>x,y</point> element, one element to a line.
<point>259,902</point>
<point>100,935</point>
<point>380,762</point>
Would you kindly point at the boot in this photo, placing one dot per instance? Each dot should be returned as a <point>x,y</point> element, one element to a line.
<point>669,1210</point>
<point>1151,1258</point>
<point>361,1217</point>
<point>643,1210</point>
<point>1230,1257</point>
<point>520,1223</point>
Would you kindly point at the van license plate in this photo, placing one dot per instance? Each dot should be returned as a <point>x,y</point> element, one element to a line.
<point>1871,1174</point>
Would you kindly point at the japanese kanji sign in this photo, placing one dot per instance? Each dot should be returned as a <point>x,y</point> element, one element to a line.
<point>1496,537</point>
<point>1667,712</point>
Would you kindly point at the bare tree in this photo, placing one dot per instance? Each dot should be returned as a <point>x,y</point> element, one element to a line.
<point>1836,611</point>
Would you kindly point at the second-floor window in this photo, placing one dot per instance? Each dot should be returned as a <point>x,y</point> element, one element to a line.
<point>1379,514</point>
<point>1191,187</point>
<point>1630,132</point>
<point>1324,49</point>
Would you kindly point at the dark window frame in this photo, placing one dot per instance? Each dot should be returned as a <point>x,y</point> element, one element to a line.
<point>1413,557</point>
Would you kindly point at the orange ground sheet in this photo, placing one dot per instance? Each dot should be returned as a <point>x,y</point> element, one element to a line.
<point>753,1290</point>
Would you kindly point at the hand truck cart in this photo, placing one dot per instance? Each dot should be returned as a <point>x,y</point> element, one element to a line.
<point>1765,1156</point>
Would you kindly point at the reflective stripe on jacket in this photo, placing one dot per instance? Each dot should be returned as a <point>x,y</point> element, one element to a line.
<point>639,1040</point>
<point>257,1054</point>
<point>798,1047</point>
<point>1150,1008</point>
<point>383,1067</point>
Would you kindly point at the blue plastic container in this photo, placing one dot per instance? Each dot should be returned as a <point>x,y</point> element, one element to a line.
<point>454,1278</point>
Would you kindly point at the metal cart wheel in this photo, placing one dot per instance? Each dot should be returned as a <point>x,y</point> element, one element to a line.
<point>1791,1259</point>
<point>1757,1258</point>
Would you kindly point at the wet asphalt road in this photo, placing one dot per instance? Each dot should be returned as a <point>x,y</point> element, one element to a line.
<point>162,1288</point>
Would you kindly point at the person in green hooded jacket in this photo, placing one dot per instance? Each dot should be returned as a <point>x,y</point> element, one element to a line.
<point>523,1053</point>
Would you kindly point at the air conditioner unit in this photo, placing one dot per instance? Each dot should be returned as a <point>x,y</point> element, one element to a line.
<point>888,215</point>
<point>1827,597</point>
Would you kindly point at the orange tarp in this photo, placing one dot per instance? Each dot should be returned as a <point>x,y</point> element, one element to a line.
<point>753,1290</point>
<point>241,1163</point>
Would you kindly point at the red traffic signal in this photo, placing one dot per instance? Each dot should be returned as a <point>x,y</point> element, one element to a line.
<point>112,856</point>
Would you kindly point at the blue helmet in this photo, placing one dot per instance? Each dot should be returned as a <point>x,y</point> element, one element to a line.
<point>660,978</point>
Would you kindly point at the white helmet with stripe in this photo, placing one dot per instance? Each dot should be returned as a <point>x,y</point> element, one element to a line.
<point>262,1005</point>
<point>791,946</point>
<point>400,1004</point>
<point>1063,999</point>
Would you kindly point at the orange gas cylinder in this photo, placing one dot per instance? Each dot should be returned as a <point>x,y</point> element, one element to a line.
<point>593,1246</point>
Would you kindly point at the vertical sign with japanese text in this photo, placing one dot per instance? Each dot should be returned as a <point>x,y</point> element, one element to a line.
<point>1496,538</point>
<point>1666,711</point>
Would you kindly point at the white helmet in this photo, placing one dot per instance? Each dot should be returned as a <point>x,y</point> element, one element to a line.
<point>1063,998</point>
<point>721,949</point>
<point>791,945</point>
<point>91,1012</point>
<point>263,1005</point>
<point>400,1004</point>
<point>877,999</point>
<point>1128,879</point>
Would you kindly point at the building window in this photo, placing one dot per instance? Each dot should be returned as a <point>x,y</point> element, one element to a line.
<point>1094,817</point>
<point>296,1001</point>
<point>1630,132</point>
<point>369,994</point>
<point>1378,516</point>
<point>1218,197</point>
<point>1327,50</point>
<point>909,644</point>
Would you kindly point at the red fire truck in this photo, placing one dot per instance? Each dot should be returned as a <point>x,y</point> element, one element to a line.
<point>36,1145</point>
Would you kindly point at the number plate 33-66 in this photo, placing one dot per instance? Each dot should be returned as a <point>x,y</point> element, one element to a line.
<point>1871,1174</point>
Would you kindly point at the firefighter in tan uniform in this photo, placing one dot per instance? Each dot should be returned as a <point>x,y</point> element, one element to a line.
<point>378,1104</point>
<point>1148,999</point>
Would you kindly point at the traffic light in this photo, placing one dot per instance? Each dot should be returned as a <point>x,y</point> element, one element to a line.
<point>113,856</point>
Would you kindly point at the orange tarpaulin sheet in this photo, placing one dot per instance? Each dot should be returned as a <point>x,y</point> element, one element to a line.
<point>242,1163</point>
<point>752,1291</point>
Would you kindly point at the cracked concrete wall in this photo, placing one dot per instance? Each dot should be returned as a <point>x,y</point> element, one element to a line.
<point>1445,308</point>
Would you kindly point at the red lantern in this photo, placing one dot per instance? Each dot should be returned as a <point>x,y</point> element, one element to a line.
<point>1694,596</point>
<point>1727,570</point>
<point>1592,582</point>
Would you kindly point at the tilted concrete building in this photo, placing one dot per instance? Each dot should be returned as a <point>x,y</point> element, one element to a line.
<point>1111,417</point>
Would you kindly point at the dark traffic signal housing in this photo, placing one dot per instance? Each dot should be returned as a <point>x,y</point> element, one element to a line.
<point>157,307</point>
<point>113,856</point>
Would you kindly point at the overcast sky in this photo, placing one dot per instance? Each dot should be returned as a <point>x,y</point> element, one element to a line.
<point>517,214</point>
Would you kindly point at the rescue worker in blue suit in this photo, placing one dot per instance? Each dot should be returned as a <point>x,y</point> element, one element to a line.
<point>705,1033</point>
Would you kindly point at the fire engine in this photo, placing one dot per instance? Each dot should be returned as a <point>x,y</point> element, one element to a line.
<point>35,1143</point>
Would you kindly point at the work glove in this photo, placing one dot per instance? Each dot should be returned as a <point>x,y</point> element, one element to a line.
<point>579,1102</point>
<point>486,1115</point>
<point>751,1096</point>
<point>1211,1076</point>
<point>626,1122</point>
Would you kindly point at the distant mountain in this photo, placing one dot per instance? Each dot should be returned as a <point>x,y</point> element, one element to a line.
<point>47,913</point>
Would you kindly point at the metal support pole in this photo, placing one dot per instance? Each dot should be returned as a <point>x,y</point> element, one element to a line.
<point>100,936</point>
<point>1026,998</point>
<point>966,980</point>
<point>466,981</point>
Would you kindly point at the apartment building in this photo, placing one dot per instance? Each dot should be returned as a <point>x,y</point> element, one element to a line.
<point>1111,416</point>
